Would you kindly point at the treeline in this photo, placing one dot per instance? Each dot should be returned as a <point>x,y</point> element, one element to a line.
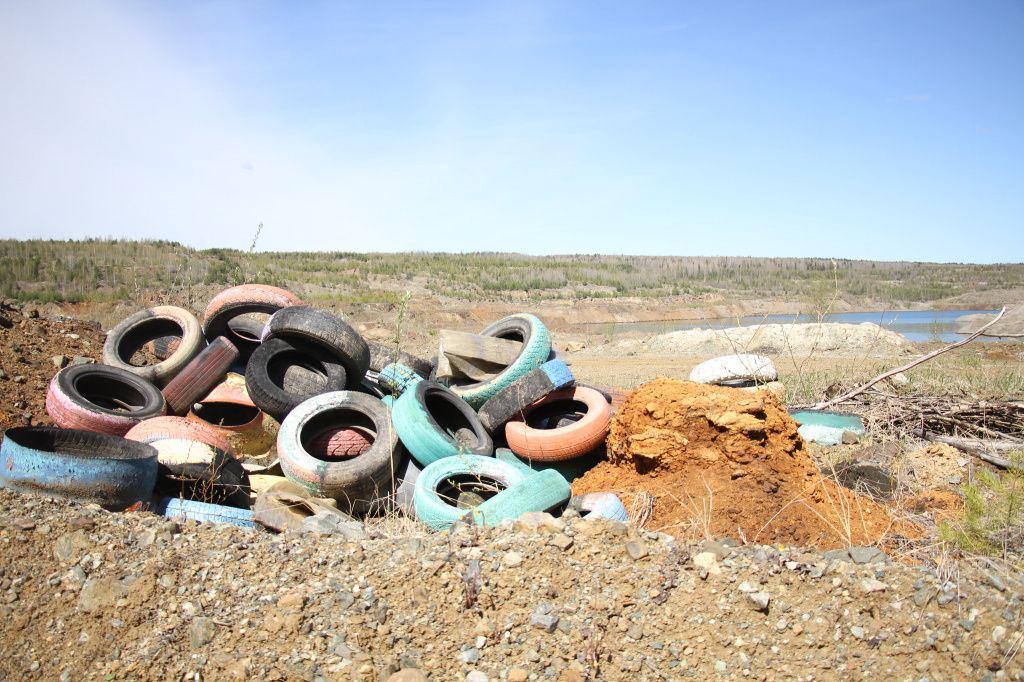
<point>103,269</point>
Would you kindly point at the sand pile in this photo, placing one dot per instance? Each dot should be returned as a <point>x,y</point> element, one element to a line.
<point>727,463</point>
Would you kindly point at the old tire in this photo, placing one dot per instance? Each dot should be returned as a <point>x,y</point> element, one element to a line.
<point>536,342</point>
<point>537,492</point>
<point>600,506</point>
<point>427,419</point>
<point>739,367</point>
<point>132,333</point>
<point>281,374</point>
<point>224,313</point>
<point>565,442</point>
<point>436,486</point>
<point>330,332</point>
<point>78,465</point>
<point>179,428</point>
<point>101,399</point>
<point>200,375</point>
<point>382,355</point>
<point>357,483</point>
<point>395,379</point>
<point>191,510</point>
<point>520,394</point>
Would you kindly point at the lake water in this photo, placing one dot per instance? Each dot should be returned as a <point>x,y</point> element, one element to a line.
<point>915,325</point>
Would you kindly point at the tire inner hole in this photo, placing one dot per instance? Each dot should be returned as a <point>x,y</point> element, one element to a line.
<point>556,413</point>
<point>340,433</point>
<point>225,414</point>
<point>466,491</point>
<point>297,373</point>
<point>110,394</point>
<point>449,417</point>
<point>131,347</point>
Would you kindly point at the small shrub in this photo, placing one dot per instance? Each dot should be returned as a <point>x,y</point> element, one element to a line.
<point>993,520</point>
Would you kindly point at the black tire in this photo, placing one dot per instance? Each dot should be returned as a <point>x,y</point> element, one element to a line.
<point>102,399</point>
<point>382,355</point>
<point>276,390</point>
<point>328,331</point>
<point>199,376</point>
<point>220,481</point>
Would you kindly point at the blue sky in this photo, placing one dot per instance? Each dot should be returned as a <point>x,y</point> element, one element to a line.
<point>884,130</point>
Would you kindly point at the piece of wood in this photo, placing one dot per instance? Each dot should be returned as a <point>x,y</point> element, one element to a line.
<point>476,347</point>
<point>824,405</point>
<point>461,368</point>
<point>957,443</point>
<point>979,444</point>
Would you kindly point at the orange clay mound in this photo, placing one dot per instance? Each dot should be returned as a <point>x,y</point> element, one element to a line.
<point>729,463</point>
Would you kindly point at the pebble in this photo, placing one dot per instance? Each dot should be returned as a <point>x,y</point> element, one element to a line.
<point>866,555</point>
<point>759,600</point>
<point>857,631</point>
<point>470,655</point>
<point>408,675</point>
<point>518,675</point>
<point>561,541</point>
<point>201,631</point>
<point>544,621</point>
<point>512,559</point>
<point>869,585</point>
<point>720,666</point>
<point>636,550</point>
<point>707,561</point>
<point>477,676</point>
<point>998,634</point>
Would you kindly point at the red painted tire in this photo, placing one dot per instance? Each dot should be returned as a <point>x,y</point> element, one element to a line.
<point>136,331</point>
<point>242,300</point>
<point>341,443</point>
<point>200,375</point>
<point>101,399</point>
<point>163,347</point>
<point>180,428</point>
<point>565,442</point>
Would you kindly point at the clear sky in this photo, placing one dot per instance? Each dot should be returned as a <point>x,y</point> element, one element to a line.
<point>863,129</point>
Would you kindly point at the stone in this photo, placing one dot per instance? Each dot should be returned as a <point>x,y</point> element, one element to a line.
<point>99,593</point>
<point>857,631</point>
<point>540,521</point>
<point>869,585</point>
<point>544,621</point>
<point>477,676</point>
<point>995,581</point>
<point>998,634</point>
<point>470,655</point>
<point>866,555</point>
<point>561,541</point>
<point>706,561</point>
<point>720,666</point>
<point>332,523</point>
<point>408,675</point>
<point>518,675</point>
<point>636,550</point>
<point>721,549</point>
<point>836,555</point>
<point>850,438</point>
<point>59,361</point>
<point>293,601</point>
<point>71,546</point>
<point>512,559</point>
<point>759,600</point>
<point>81,360</point>
<point>923,596</point>
<point>201,631</point>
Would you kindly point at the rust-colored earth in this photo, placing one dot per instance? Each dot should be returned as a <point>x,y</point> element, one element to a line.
<point>726,462</point>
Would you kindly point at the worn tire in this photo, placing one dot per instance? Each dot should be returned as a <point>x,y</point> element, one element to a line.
<point>78,465</point>
<point>536,341</point>
<point>101,399</point>
<point>743,367</point>
<point>200,375</point>
<point>395,379</point>
<point>232,303</point>
<point>382,355</point>
<point>330,332</point>
<point>271,385</point>
<point>566,442</point>
<point>179,428</point>
<point>430,486</point>
<point>600,506</point>
<point>427,419</point>
<point>132,333</point>
<point>537,492</point>
<point>357,482</point>
<point>191,510</point>
<point>520,394</point>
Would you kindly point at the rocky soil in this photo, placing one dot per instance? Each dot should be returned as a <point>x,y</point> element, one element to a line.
<point>88,594</point>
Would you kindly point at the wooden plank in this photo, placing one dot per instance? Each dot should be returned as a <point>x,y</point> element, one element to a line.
<point>487,349</point>
<point>463,368</point>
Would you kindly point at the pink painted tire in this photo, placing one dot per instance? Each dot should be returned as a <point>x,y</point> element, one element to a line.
<point>200,375</point>
<point>357,483</point>
<point>134,332</point>
<point>565,442</point>
<point>101,399</point>
<point>180,428</point>
<point>241,300</point>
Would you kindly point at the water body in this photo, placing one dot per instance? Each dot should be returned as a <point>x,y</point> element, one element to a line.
<point>915,325</point>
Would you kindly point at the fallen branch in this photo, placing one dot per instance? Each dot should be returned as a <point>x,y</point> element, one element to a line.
<point>960,445</point>
<point>996,445</point>
<point>824,405</point>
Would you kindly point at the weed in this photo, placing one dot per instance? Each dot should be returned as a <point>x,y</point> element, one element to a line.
<point>993,520</point>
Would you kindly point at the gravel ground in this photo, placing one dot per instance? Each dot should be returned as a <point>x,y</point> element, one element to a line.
<point>88,594</point>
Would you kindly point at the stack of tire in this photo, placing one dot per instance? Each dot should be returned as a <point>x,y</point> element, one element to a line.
<point>351,421</point>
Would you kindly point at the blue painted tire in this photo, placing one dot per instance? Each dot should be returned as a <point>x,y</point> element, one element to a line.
<point>78,465</point>
<point>395,379</point>
<point>537,492</point>
<point>442,474</point>
<point>536,341</point>
<point>600,506</point>
<point>191,510</point>
<point>428,416</point>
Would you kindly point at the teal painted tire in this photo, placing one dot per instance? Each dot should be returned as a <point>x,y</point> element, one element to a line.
<point>395,379</point>
<point>536,341</point>
<point>427,418</point>
<point>538,492</point>
<point>438,479</point>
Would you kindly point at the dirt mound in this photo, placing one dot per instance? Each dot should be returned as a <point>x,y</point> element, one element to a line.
<point>725,462</point>
<point>1012,323</point>
<point>861,340</point>
<point>30,347</point>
